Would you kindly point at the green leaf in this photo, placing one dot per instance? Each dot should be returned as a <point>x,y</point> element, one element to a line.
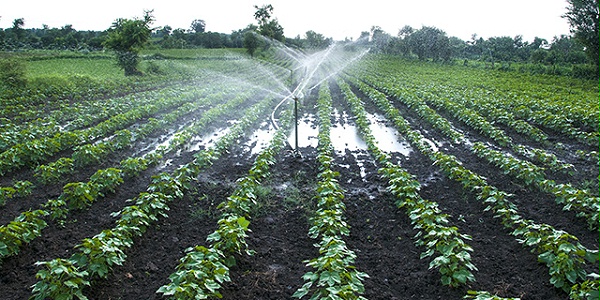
<point>462,276</point>
<point>446,280</point>
<point>303,291</point>
<point>243,222</point>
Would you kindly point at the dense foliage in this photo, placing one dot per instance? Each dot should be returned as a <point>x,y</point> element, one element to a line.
<point>583,16</point>
<point>127,37</point>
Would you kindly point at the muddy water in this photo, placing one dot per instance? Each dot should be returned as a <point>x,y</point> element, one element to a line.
<point>388,138</point>
<point>260,139</point>
<point>345,135</point>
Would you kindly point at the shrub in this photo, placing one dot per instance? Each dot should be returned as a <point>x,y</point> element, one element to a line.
<point>12,72</point>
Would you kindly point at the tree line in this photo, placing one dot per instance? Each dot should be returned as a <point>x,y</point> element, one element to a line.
<point>427,43</point>
<point>68,38</point>
<point>424,43</point>
<point>18,38</point>
<point>431,43</point>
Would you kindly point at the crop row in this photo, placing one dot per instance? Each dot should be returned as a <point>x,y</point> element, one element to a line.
<point>334,276</point>
<point>570,197</point>
<point>75,112</point>
<point>70,116</point>
<point>476,121</point>
<point>452,253</point>
<point>93,153</point>
<point>202,271</point>
<point>416,100</point>
<point>79,195</point>
<point>97,255</point>
<point>18,189</point>
<point>554,101</point>
<point>55,92</point>
<point>558,250</point>
<point>533,114</point>
<point>35,151</point>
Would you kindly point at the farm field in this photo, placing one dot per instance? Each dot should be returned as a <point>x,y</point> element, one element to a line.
<point>411,180</point>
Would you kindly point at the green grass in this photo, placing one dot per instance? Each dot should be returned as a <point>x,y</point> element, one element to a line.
<point>100,68</point>
<point>198,53</point>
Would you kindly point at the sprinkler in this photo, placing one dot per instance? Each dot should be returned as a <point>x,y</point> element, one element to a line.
<point>296,122</point>
<point>296,99</point>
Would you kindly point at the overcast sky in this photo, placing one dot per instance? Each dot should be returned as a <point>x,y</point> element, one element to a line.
<point>338,19</point>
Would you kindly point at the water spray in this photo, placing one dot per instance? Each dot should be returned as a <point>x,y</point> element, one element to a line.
<point>310,65</point>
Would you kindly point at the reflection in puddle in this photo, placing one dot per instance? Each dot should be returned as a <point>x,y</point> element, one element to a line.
<point>435,145</point>
<point>307,133</point>
<point>208,140</point>
<point>261,138</point>
<point>345,135</point>
<point>361,164</point>
<point>388,138</point>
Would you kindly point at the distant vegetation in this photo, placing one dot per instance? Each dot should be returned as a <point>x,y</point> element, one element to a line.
<point>573,55</point>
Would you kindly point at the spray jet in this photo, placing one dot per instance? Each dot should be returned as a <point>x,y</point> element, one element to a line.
<point>310,64</point>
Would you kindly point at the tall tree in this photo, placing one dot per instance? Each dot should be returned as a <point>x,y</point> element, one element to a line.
<point>127,37</point>
<point>198,26</point>
<point>251,42</point>
<point>430,42</point>
<point>583,18</point>
<point>379,38</point>
<point>267,26</point>
<point>316,40</point>
<point>18,28</point>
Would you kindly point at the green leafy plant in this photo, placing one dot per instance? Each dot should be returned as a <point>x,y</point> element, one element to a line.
<point>452,253</point>
<point>19,189</point>
<point>200,274</point>
<point>482,295</point>
<point>12,73</point>
<point>587,290</point>
<point>333,275</point>
<point>60,279</point>
<point>22,230</point>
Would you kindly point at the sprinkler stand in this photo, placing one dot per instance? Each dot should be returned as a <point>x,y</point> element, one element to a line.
<point>296,123</point>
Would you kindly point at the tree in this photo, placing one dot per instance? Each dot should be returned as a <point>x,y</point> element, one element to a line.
<point>501,48</point>
<point>316,40</point>
<point>251,42</point>
<point>583,18</point>
<point>18,28</point>
<point>127,37</point>
<point>198,26</point>
<point>379,38</point>
<point>567,50</point>
<point>430,42</point>
<point>266,26</point>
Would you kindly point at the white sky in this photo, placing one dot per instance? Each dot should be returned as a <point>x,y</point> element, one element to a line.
<point>337,19</point>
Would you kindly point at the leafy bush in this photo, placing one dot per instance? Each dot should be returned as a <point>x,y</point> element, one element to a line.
<point>154,68</point>
<point>585,71</point>
<point>12,73</point>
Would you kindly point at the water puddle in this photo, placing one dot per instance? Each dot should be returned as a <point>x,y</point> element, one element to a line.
<point>360,162</point>
<point>307,133</point>
<point>154,143</point>
<point>388,138</point>
<point>345,135</point>
<point>208,140</point>
<point>260,139</point>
